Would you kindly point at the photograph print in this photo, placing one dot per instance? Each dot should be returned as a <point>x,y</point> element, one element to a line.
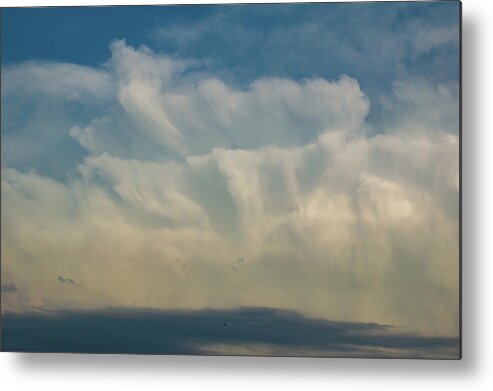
<point>257,179</point>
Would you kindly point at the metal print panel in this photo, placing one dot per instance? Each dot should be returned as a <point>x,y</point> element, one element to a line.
<point>273,179</point>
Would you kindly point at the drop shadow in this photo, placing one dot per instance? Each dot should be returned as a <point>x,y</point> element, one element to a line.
<point>470,194</point>
<point>78,363</point>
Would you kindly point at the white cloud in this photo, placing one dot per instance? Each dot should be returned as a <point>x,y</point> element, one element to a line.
<point>69,82</point>
<point>184,177</point>
<point>418,106</point>
<point>428,38</point>
<point>179,117</point>
<point>40,101</point>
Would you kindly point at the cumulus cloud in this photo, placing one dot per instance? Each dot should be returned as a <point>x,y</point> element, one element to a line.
<point>173,117</point>
<point>334,222</point>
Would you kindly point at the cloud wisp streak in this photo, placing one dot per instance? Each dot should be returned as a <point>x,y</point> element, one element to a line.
<point>258,331</point>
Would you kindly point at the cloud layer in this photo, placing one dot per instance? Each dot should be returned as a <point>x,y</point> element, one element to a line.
<point>173,175</point>
<point>247,331</point>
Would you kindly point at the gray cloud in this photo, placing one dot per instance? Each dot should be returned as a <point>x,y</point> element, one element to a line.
<point>8,288</point>
<point>251,331</point>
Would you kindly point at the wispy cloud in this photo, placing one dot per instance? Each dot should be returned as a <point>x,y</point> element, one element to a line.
<point>282,40</point>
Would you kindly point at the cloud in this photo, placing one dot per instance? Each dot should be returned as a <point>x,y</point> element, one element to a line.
<point>171,116</point>
<point>276,40</point>
<point>417,105</point>
<point>336,220</point>
<point>249,331</point>
<point>70,82</point>
<point>55,95</point>
<point>433,37</point>
<point>8,288</point>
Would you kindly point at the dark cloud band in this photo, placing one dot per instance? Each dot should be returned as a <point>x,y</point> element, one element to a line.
<point>266,331</point>
<point>8,288</point>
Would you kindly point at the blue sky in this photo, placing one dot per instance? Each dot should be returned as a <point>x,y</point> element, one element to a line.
<point>302,158</point>
<point>372,42</point>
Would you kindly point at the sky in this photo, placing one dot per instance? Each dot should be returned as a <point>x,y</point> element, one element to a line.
<point>287,166</point>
